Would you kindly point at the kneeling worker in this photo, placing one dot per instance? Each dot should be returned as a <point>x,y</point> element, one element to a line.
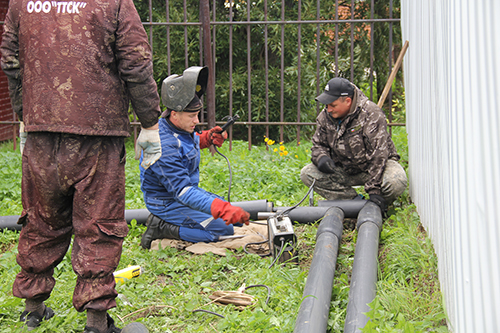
<point>179,208</point>
<point>351,147</point>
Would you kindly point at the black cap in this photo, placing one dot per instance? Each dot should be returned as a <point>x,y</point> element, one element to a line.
<point>336,87</point>
<point>195,105</point>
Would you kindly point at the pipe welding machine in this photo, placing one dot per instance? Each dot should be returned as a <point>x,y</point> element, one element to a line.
<point>282,239</point>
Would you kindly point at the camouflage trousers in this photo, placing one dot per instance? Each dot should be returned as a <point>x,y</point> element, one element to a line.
<point>72,185</point>
<point>339,185</point>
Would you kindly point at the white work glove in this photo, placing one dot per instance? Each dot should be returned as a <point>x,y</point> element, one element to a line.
<point>149,142</point>
<point>22,136</point>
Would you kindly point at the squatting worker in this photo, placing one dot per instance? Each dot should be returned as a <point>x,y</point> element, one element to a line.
<point>72,72</point>
<point>179,208</point>
<point>351,147</point>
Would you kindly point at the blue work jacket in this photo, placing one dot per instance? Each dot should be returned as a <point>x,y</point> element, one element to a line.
<point>172,181</point>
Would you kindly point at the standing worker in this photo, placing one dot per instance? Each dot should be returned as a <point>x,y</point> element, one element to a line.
<point>179,208</point>
<point>73,68</point>
<point>351,147</point>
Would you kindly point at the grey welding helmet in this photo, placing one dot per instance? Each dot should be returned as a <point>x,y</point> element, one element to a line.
<point>177,91</point>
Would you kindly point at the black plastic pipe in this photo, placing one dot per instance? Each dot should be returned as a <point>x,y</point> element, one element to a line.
<point>351,208</point>
<point>305,214</point>
<point>141,215</point>
<point>255,206</point>
<point>364,269</point>
<point>315,307</point>
<point>10,222</point>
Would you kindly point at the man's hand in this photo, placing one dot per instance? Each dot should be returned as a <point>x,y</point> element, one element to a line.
<point>380,201</point>
<point>326,164</point>
<point>149,142</point>
<point>212,136</point>
<point>22,136</point>
<point>227,212</point>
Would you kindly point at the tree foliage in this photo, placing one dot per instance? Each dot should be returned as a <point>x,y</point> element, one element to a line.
<point>271,50</point>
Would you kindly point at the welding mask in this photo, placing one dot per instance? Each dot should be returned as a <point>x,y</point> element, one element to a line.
<point>178,91</point>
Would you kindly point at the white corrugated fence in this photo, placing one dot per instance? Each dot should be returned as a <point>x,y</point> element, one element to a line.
<point>452,75</point>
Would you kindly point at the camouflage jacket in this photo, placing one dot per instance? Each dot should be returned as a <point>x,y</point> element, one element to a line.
<point>74,67</point>
<point>358,143</point>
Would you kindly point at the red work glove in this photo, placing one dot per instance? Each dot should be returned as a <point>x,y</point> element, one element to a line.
<point>227,212</point>
<point>212,136</point>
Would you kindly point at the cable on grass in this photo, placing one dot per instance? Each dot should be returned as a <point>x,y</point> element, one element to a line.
<point>256,243</point>
<point>234,297</point>
<point>261,285</point>
<point>279,255</point>
<point>230,174</point>
<point>207,311</point>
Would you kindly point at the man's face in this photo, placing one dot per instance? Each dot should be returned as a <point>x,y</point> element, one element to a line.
<point>339,108</point>
<point>185,120</point>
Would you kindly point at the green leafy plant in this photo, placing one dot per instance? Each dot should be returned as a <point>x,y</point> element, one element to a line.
<point>267,88</point>
<point>10,186</point>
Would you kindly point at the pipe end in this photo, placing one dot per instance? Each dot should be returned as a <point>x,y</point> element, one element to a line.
<point>332,222</point>
<point>370,213</point>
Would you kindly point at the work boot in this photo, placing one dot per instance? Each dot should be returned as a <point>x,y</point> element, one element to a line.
<point>158,229</point>
<point>111,327</point>
<point>33,319</point>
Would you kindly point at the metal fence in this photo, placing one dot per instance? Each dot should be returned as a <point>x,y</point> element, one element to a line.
<point>345,19</point>
<point>331,21</point>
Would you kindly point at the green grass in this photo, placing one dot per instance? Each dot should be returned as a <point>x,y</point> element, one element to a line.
<point>175,282</point>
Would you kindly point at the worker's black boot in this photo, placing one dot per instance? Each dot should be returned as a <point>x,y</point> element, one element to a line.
<point>32,319</point>
<point>158,229</point>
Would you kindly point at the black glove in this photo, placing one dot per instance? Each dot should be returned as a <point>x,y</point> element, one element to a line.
<point>380,201</point>
<point>326,164</point>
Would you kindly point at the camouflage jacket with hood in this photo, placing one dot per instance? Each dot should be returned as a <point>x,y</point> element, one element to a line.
<point>73,67</point>
<point>358,143</point>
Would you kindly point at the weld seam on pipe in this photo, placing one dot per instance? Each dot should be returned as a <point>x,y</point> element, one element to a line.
<point>351,207</point>
<point>304,214</point>
<point>315,306</point>
<point>365,267</point>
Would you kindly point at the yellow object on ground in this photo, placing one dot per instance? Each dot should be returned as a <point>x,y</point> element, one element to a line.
<point>127,273</point>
